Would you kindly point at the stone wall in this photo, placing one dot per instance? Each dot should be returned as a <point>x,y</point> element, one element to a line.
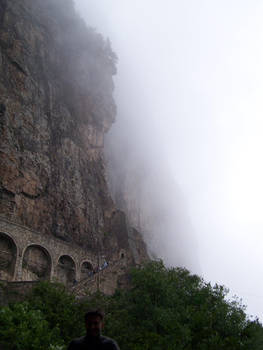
<point>22,238</point>
<point>28,256</point>
<point>14,291</point>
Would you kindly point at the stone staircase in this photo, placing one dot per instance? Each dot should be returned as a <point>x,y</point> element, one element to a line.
<point>104,280</point>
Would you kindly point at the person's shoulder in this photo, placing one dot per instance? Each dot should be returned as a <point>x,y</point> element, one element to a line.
<point>79,340</point>
<point>75,342</point>
<point>109,342</point>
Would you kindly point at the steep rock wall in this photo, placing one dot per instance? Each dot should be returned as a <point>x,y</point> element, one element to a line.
<point>55,106</point>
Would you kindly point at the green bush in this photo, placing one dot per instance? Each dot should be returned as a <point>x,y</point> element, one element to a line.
<point>172,309</point>
<point>164,309</point>
<point>60,308</point>
<point>24,328</point>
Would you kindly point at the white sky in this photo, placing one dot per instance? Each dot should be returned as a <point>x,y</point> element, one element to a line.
<point>190,76</point>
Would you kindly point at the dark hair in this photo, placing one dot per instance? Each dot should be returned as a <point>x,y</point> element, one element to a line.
<point>94,313</point>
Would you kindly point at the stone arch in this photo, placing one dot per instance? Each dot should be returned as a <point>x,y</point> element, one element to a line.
<point>8,256</point>
<point>36,263</point>
<point>66,270</point>
<point>86,270</point>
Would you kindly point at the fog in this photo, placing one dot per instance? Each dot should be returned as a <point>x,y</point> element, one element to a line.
<point>189,130</point>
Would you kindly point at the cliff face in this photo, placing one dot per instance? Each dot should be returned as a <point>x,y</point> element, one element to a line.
<point>55,106</point>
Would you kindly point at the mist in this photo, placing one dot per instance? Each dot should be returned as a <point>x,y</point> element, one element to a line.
<point>187,137</point>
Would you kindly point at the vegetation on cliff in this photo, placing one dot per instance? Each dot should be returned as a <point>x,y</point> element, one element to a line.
<point>164,309</point>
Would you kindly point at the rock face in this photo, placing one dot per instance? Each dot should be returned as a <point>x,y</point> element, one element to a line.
<point>55,106</point>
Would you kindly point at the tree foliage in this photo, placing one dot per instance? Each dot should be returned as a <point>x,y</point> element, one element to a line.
<point>174,310</point>
<point>25,328</point>
<point>165,308</point>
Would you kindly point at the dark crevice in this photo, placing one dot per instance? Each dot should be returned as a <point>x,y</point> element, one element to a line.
<point>4,193</point>
<point>3,4</point>
<point>30,196</point>
<point>2,109</point>
<point>16,65</point>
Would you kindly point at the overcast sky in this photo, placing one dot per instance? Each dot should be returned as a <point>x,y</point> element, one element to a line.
<point>190,86</point>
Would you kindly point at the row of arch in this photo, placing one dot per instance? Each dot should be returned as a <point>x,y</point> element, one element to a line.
<point>37,264</point>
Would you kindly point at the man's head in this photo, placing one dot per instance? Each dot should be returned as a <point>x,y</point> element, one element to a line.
<point>94,322</point>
